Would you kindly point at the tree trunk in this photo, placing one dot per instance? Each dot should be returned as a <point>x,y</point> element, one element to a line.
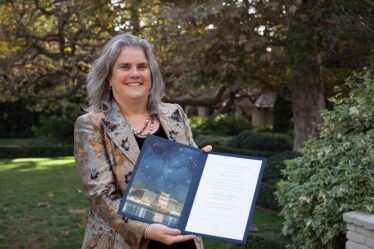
<point>307,99</point>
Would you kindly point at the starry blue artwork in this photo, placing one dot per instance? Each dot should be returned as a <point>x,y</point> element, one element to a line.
<point>206,194</point>
<point>162,181</point>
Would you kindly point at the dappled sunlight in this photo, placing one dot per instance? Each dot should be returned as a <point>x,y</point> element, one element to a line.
<point>41,198</point>
<point>32,164</point>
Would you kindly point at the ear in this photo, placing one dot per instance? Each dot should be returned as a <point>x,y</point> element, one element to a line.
<point>109,84</point>
<point>109,76</point>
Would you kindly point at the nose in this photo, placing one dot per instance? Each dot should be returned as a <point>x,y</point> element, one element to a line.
<point>134,73</point>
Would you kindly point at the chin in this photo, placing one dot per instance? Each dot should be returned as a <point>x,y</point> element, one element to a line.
<point>138,97</point>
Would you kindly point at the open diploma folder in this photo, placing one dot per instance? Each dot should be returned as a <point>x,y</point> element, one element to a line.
<point>207,194</point>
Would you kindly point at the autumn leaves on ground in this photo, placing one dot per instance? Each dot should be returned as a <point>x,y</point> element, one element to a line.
<point>42,205</point>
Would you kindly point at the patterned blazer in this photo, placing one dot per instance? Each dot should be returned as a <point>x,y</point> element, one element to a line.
<point>105,153</point>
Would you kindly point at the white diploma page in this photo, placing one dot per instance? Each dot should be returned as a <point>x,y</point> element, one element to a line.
<point>224,197</point>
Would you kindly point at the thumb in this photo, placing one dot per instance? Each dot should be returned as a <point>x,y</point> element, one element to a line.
<point>173,231</point>
<point>208,148</point>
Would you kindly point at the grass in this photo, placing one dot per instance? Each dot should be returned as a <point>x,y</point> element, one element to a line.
<point>42,206</point>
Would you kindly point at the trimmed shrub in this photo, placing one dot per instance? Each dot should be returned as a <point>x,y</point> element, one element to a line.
<point>214,140</point>
<point>36,151</point>
<point>266,238</point>
<point>266,197</point>
<point>16,119</point>
<point>222,124</point>
<point>261,141</point>
<point>59,124</point>
<point>335,174</point>
<point>276,164</point>
<point>244,152</point>
<point>58,128</point>
<point>272,175</point>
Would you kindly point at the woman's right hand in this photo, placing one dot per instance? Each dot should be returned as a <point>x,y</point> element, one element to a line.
<point>166,235</point>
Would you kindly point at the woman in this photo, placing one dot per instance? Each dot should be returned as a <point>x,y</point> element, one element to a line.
<point>124,88</point>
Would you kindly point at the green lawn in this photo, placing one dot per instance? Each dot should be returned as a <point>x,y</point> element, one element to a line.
<point>42,206</point>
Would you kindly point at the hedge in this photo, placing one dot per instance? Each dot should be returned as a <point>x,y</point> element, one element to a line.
<point>266,197</point>
<point>262,141</point>
<point>272,174</point>
<point>244,152</point>
<point>335,174</point>
<point>276,164</point>
<point>266,238</point>
<point>36,151</point>
<point>222,124</point>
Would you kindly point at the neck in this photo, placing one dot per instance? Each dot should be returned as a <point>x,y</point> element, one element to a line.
<point>129,109</point>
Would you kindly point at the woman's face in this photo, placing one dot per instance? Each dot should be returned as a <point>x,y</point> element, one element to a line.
<point>131,76</point>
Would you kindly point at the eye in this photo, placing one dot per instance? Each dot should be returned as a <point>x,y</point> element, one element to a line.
<point>142,66</point>
<point>124,66</point>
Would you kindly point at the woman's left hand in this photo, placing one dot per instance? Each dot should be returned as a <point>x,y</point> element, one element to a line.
<point>207,148</point>
<point>166,235</point>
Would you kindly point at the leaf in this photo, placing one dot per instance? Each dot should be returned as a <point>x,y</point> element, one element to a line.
<point>292,9</point>
<point>77,210</point>
<point>67,233</point>
<point>335,173</point>
<point>43,204</point>
<point>266,57</point>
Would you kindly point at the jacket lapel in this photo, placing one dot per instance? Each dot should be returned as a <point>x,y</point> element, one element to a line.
<point>172,120</point>
<point>118,129</point>
<point>120,133</point>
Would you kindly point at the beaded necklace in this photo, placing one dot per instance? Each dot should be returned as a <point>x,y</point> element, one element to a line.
<point>141,131</point>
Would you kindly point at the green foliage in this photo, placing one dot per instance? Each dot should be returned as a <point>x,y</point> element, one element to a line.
<point>16,120</point>
<point>335,173</point>
<point>262,242</point>
<point>59,128</point>
<point>58,124</point>
<point>214,140</point>
<point>266,197</point>
<point>40,64</point>
<point>268,237</point>
<point>244,152</point>
<point>222,124</point>
<point>31,147</point>
<point>36,151</point>
<point>276,164</point>
<point>261,141</point>
<point>282,116</point>
<point>272,175</point>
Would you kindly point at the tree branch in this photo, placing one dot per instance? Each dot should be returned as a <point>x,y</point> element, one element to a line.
<point>202,100</point>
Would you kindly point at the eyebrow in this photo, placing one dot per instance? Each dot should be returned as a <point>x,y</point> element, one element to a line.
<point>127,63</point>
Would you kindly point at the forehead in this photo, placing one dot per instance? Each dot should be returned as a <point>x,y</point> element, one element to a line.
<point>132,54</point>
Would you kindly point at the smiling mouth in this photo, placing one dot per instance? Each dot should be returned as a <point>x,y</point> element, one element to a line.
<point>133,84</point>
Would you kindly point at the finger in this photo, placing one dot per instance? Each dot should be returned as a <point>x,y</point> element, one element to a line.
<point>172,231</point>
<point>207,148</point>
<point>181,238</point>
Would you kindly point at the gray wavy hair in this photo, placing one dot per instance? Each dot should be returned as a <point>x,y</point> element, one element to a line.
<point>98,90</point>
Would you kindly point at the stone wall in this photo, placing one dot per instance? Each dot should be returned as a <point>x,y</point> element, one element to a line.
<point>360,230</point>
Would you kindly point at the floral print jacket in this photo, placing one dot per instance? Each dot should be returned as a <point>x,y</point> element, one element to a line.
<point>105,153</point>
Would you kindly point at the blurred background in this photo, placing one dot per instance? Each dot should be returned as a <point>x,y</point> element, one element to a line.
<point>253,77</point>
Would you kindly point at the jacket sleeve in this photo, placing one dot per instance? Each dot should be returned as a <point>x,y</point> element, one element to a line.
<point>98,181</point>
<point>187,126</point>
